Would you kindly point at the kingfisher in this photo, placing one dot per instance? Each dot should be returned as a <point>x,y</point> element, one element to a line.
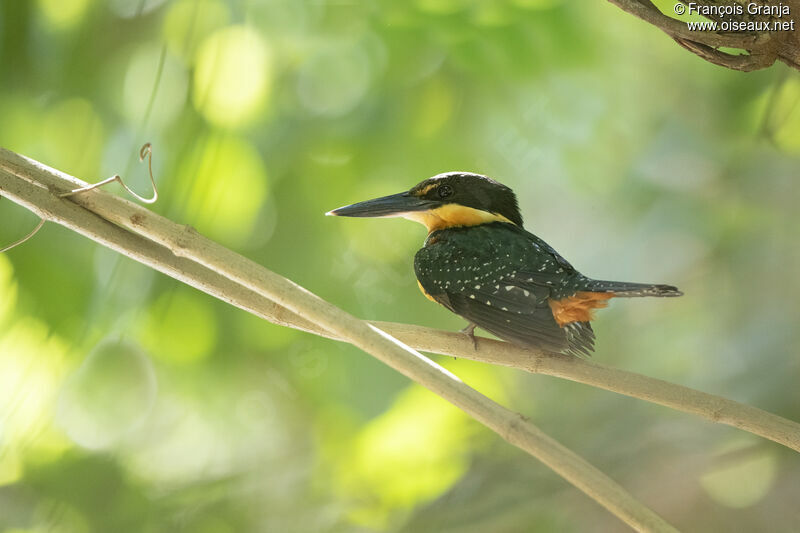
<point>480,263</point>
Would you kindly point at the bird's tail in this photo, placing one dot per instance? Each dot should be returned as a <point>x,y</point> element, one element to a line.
<point>625,289</point>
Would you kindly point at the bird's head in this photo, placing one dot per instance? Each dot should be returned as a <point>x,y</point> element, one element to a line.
<point>443,201</point>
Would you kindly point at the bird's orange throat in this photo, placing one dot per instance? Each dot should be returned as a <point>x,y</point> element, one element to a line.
<point>579,307</point>
<point>453,215</point>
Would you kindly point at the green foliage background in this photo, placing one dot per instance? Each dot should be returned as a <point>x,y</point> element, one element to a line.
<point>131,403</point>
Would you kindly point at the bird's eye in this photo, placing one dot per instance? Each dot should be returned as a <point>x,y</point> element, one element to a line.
<point>445,191</point>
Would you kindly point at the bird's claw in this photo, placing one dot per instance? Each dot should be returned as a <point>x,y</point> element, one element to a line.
<point>469,331</point>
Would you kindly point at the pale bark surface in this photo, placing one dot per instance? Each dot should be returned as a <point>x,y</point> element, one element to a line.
<point>760,49</point>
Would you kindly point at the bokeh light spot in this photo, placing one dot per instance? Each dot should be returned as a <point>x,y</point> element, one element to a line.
<point>73,135</point>
<point>62,14</point>
<point>31,367</point>
<point>180,327</point>
<point>411,453</point>
<point>210,431</point>
<point>492,14</point>
<point>233,76</point>
<point>108,396</point>
<point>334,81</point>
<point>228,184</point>
<point>22,115</point>
<point>744,482</point>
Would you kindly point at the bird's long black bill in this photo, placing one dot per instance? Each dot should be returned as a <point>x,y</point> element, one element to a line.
<point>386,206</point>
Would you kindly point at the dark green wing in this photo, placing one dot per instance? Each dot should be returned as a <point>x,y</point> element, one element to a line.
<point>498,277</point>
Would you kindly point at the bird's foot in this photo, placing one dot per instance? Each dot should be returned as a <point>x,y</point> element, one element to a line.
<point>469,331</point>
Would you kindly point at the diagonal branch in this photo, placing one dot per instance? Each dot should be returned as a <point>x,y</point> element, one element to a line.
<point>183,253</point>
<point>187,256</point>
<point>708,406</point>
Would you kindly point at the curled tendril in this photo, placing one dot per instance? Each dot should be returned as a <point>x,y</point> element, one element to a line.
<point>25,238</point>
<point>145,151</point>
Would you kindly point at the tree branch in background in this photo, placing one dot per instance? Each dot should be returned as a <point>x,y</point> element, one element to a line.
<point>181,252</point>
<point>762,47</point>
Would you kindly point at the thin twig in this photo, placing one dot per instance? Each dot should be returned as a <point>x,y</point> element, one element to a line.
<point>33,185</point>
<point>25,238</point>
<point>145,151</point>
